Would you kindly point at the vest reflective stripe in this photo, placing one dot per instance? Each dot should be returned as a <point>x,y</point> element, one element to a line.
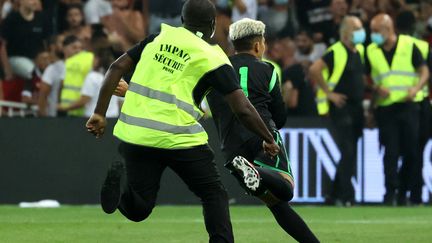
<point>340,58</point>
<point>159,109</point>
<point>400,76</point>
<point>73,88</point>
<point>394,73</point>
<point>77,67</point>
<point>161,126</point>
<point>164,97</point>
<point>399,87</point>
<point>424,48</point>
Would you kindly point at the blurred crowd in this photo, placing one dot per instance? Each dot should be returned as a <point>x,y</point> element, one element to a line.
<point>53,53</point>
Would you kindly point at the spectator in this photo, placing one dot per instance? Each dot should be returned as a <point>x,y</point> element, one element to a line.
<point>126,26</point>
<point>97,11</point>
<point>54,75</point>
<point>288,49</point>
<point>307,51</point>
<point>244,9</point>
<point>23,32</point>
<point>311,14</point>
<point>55,46</point>
<point>30,93</point>
<point>330,28</point>
<point>223,21</point>
<point>156,12</point>
<point>92,85</point>
<point>76,25</point>
<point>392,7</point>
<point>297,92</point>
<point>274,13</point>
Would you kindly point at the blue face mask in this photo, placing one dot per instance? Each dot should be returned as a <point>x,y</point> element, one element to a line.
<point>377,38</point>
<point>358,36</point>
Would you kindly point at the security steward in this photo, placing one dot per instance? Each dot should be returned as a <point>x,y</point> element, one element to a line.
<point>340,76</point>
<point>77,67</point>
<point>399,72</point>
<point>158,124</point>
<point>405,24</point>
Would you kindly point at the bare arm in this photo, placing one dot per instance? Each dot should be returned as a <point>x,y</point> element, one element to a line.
<point>135,31</point>
<point>77,104</point>
<point>44,91</point>
<point>121,66</point>
<point>315,72</point>
<point>423,73</point>
<point>290,95</point>
<point>4,59</point>
<point>247,114</point>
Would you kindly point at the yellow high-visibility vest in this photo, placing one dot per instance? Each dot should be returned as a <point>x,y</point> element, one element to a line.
<point>397,78</point>
<point>340,58</point>
<point>77,68</point>
<point>159,110</point>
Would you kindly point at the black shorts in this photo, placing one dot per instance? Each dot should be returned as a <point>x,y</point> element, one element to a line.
<point>252,150</point>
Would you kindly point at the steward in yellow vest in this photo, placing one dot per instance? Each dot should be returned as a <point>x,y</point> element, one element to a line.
<point>76,69</point>
<point>158,125</point>
<point>340,76</point>
<point>398,71</point>
<point>405,23</point>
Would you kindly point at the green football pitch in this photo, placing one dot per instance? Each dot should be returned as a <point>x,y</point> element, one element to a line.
<point>185,224</point>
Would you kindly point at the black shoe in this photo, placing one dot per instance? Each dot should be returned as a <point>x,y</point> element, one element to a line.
<point>111,188</point>
<point>250,178</point>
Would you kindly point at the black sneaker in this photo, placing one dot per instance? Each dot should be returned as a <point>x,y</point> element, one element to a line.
<point>250,176</point>
<point>111,188</point>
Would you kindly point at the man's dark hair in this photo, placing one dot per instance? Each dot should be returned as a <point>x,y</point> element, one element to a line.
<point>246,43</point>
<point>199,15</point>
<point>405,22</point>
<point>70,39</point>
<point>306,32</point>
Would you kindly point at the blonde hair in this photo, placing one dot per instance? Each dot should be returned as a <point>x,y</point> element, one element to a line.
<point>245,28</point>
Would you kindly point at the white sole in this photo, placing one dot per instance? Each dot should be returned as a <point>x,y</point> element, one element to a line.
<point>250,174</point>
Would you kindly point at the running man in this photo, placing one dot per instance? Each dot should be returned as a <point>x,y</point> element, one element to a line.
<point>158,123</point>
<point>268,178</point>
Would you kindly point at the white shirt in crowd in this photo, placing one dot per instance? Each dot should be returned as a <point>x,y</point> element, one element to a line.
<point>53,76</point>
<point>317,52</point>
<point>91,87</point>
<point>251,11</point>
<point>94,10</point>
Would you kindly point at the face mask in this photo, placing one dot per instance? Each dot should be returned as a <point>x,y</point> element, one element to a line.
<point>358,36</point>
<point>377,38</point>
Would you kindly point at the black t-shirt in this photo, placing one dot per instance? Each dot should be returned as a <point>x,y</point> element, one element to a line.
<point>222,79</point>
<point>306,105</point>
<point>268,103</point>
<point>416,59</point>
<point>24,38</point>
<point>351,82</point>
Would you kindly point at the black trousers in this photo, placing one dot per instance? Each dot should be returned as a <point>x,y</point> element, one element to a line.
<point>399,134</point>
<point>348,124</point>
<point>425,132</point>
<point>195,166</point>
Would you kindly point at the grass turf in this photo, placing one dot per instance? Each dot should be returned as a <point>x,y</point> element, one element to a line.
<point>185,224</point>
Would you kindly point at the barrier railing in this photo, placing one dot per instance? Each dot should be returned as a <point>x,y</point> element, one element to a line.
<point>17,109</point>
